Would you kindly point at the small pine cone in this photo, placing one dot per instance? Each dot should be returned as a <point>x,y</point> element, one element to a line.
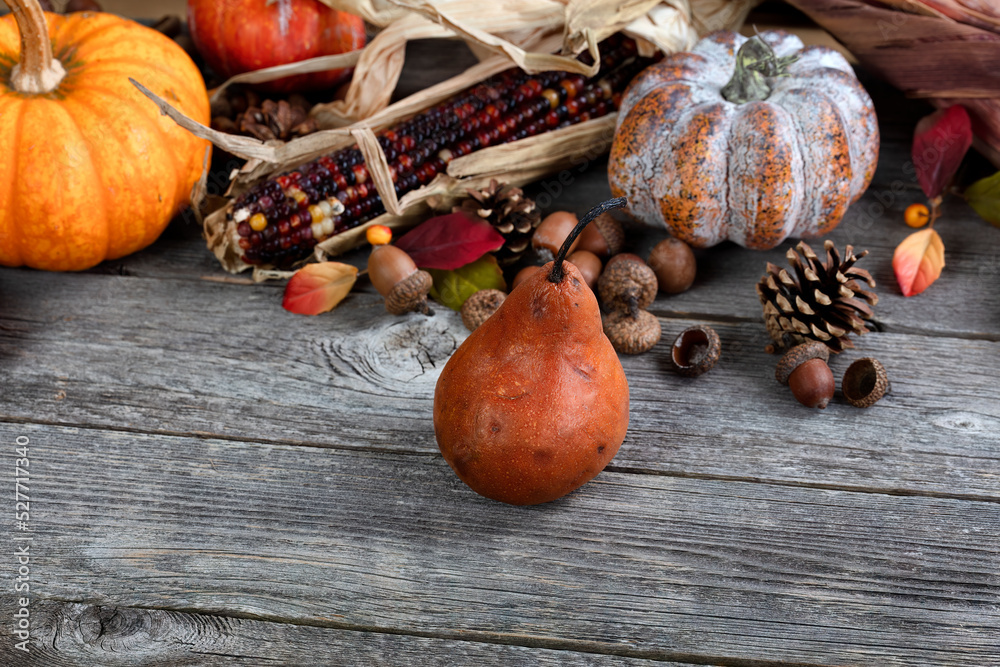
<point>410,294</point>
<point>823,301</point>
<point>510,212</point>
<point>632,334</point>
<point>478,307</point>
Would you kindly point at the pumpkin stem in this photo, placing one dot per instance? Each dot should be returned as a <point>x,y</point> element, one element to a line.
<point>37,72</point>
<point>756,63</point>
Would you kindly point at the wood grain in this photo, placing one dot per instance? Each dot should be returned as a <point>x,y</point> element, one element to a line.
<point>207,358</point>
<point>84,635</point>
<point>634,565</point>
<point>216,481</point>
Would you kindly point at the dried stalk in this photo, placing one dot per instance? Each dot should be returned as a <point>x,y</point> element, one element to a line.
<point>945,51</point>
<point>536,35</point>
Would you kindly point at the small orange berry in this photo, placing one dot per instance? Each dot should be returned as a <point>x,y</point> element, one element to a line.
<point>916,215</point>
<point>378,235</point>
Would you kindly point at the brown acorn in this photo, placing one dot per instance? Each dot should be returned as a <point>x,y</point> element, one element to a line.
<point>632,334</point>
<point>478,307</point>
<point>604,237</point>
<point>627,283</point>
<point>804,369</point>
<point>398,279</point>
<point>551,233</point>
<point>589,265</point>
<point>674,264</point>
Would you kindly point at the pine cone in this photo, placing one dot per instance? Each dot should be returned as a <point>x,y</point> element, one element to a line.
<point>824,301</point>
<point>510,212</point>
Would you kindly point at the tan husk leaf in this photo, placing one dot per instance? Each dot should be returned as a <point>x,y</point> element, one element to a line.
<point>945,51</point>
<point>536,35</point>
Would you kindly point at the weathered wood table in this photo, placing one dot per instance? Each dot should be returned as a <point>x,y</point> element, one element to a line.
<point>213,480</point>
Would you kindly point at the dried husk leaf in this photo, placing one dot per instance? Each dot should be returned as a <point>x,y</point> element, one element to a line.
<point>318,64</point>
<point>528,33</point>
<point>943,50</point>
<point>924,56</point>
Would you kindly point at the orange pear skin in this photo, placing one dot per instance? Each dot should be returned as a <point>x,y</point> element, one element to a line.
<point>535,402</point>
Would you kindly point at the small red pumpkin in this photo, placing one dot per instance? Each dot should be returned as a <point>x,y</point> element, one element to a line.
<point>90,170</point>
<point>748,140</point>
<point>239,36</point>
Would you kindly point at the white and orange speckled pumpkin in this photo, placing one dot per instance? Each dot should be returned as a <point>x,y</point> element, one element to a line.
<point>748,140</point>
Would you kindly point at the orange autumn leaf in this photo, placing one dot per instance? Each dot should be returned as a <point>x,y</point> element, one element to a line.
<point>317,288</point>
<point>918,261</point>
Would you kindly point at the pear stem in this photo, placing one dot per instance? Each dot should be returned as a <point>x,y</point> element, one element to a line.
<point>557,273</point>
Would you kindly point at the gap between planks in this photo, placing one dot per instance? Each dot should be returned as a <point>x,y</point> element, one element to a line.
<point>630,470</point>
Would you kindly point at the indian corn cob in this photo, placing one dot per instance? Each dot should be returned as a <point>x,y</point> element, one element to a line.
<point>278,221</point>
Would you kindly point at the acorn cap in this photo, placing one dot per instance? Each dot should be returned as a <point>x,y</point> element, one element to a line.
<point>627,285</point>
<point>696,350</point>
<point>604,237</point>
<point>410,294</point>
<point>478,307</point>
<point>799,355</point>
<point>632,334</point>
<point>865,382</point>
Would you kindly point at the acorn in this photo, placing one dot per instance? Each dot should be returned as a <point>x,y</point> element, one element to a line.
<point>604,236</point>
<point>627,283</point>
<point>804,369</point>
<point>865,382</point>
<point>398,279</point>
<point>674,264</point>
<point>588,263</point>
<point>632,333</point>
<point>478,307</point>
<point>695,351</point>
<point>550,234</point>
<point>524,273</point>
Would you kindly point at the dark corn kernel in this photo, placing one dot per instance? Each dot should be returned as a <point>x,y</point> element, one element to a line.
<point>334,193</point>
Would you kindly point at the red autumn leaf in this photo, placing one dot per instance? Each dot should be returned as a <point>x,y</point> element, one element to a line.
<point>449,241</point>
<point>940,141</point>
<point>317,288</point>
<point>918,261</point>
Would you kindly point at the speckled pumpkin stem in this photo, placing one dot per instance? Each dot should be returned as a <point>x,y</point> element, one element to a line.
<point>557,273</point>
<point>37,72</point>
<point>756,63</point>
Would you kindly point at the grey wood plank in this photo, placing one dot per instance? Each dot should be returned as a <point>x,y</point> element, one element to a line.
<point>183,357</point>
<point>71,634</point>
<point>959,304</point>
<point>635,565</point>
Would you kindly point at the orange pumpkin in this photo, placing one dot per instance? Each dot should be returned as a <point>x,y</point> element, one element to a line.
<point>91,170</point>
<point>748,140</point>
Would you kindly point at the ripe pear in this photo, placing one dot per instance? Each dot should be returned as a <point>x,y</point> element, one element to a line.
<point>535,402</point>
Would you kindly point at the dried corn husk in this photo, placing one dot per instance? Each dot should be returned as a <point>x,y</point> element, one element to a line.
<point>945,51</point>
<point>536,35</point>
